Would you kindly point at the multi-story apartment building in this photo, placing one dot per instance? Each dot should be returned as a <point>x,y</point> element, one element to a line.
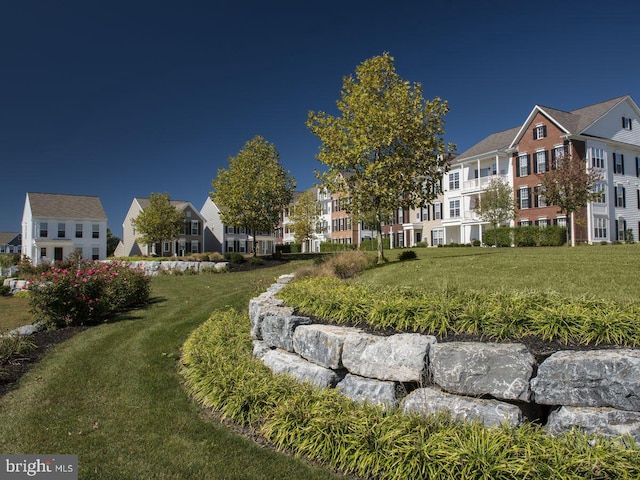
<point>605,136</point>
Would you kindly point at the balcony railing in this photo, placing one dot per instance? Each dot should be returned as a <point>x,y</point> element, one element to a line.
<point>482,182</point>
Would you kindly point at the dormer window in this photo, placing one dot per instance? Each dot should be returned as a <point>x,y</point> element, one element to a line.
<point>540,131</point>
<point>626,123</point>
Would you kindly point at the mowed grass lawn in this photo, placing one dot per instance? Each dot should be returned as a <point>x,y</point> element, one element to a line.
<point>608,272</point>
<point>113,396</point>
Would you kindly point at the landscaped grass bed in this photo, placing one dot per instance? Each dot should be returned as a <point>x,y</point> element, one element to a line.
<point>113,396</point>
<point>372,442</point>
<point>492,315</point>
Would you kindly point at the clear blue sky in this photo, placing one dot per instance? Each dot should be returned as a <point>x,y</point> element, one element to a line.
<point>123,98</point>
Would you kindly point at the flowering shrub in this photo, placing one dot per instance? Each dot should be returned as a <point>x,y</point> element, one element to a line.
<point>86,291</point>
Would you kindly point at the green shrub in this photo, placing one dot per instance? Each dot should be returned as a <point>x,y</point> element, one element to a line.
<point>22,294</point>
<point>12,345</point>
<point>4,289</point>
<point>256,261</point>
<point>372,244</point>
<point>552,236</point>
<point>422,244</point>
<point>87,292</point>
<point>283,248</point>
<point>369,441</point>
<point>476,243</point>
<point>504,236</point>
<point>526,236</point>
<point>234,257</point>
<point>407,255</point>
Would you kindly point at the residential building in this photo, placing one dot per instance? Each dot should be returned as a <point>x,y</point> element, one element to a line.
<point>224,238</point>
<point>605,136</point>
<point>10,242</point>
<point>189,240</point>
<point>56,225</point>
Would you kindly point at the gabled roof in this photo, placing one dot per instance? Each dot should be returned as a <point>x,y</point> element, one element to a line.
<point>7,238</point>
<point>493,143</point>
<point>55,205</point>
<point>574,122</point>
<point>179,204</point>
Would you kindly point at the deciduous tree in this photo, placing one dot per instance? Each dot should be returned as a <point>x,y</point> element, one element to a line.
<point>160,221</point>
<point>254,190</point>
<point>388,140</point>
<point>304,215</point>
<point>496,205</point>
<point>570,186</point>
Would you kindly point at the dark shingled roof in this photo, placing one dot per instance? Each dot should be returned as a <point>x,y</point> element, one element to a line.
<point>8,237</point>
<point>55,205</point>
<point>494,142</point>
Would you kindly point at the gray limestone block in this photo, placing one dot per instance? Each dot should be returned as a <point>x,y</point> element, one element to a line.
<point>286,278</point>
<point>259,349</point>
<point>369,390</point>
<point>277,327</point>
<point>291,364</point>
<point>428,401</point>
<point>596,378</point>
<point>607,422</point>
<point>322,344</point>
<point>400,358</point>
<point>503,371</point>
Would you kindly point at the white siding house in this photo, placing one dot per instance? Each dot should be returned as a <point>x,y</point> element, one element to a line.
<point>56,225</point>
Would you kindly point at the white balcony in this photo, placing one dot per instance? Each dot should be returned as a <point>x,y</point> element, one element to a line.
<point>482,182</point>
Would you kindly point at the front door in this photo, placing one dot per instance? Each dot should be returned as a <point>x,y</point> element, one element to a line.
<point>57,254</point>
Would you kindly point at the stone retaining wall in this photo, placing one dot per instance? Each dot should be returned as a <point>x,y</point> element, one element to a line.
<point>596,391</point>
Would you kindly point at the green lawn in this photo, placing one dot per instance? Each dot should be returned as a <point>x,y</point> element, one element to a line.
<point>112,395</point>
<point>609,272</point>
<point>14,313</point>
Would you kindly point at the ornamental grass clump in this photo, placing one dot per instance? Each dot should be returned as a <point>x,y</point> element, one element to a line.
<point>85,292</point>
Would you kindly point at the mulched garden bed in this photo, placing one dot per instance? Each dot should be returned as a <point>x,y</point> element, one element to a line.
<point>43,342</point>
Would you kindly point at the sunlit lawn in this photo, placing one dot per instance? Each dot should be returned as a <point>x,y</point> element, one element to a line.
<point>14,312</point>
<point>112,395</point>
<point>610,272</point>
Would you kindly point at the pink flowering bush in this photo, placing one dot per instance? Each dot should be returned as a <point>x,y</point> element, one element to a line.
<point>83,292</point>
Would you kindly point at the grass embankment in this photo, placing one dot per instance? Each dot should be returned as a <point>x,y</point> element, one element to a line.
<point>112,395</point>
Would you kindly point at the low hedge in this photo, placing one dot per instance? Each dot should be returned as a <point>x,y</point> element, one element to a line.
<point>495,315</point>
<point>526,236</point>
<point>370,441</point>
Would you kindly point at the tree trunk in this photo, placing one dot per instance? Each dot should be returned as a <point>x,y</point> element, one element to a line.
<point>573,231</point>
<point>495,235</point>
<point>380,249</point>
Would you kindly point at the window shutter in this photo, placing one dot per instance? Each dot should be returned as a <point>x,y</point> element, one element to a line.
<point>517,169</point>
<point>555,221</point>
<point>529,196</point>
<point>614,163</point>
<point>617,230</point>
<point>537,223</point>
<point>638,192</point>
<point>528,164</point>
<point>519,201</point>
<point>624,122</point>
<point>535,135</point>
<point>535,164</point>
<point>624,197</point>
<point>622,162</point>
<point>536,190</point>
<point>544,130</point>
<point>637,166</point>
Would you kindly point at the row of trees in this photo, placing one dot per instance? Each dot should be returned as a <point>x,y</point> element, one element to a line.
<point>385,149</point>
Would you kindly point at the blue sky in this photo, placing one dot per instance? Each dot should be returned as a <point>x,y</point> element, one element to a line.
<point>124,98</point>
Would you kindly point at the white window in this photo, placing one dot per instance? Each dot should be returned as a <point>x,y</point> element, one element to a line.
<point>454,208</point>
<point>44,231</point>
<point>454,180</point>
<point>62,230</point>
<point>543,222</point>
<point>600,227</point>
<point>95,253</point>
<point>559,151</point>
<point>194,227</point>
<point>541,161</point>
<point>437,211</point>
<point>597,157</point>
<point>524,197</point>
<point>43,252</point>
<point>561,221</point>
<point>599,189</point>
<point>400,215</point>
<point>188,213</point>
<point>626,123</point>
<point>437,236</point>
<point>540,131</point>
<point>525,222</point>
<point>620,196</point>
<point>618,163</point>
<point>541,200</point>
<point>621,226</point>
<point>166,247</point>
<point>523,165</point>
<point>78,230</point>
<point>95,228</point>
<point>195,247</point>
